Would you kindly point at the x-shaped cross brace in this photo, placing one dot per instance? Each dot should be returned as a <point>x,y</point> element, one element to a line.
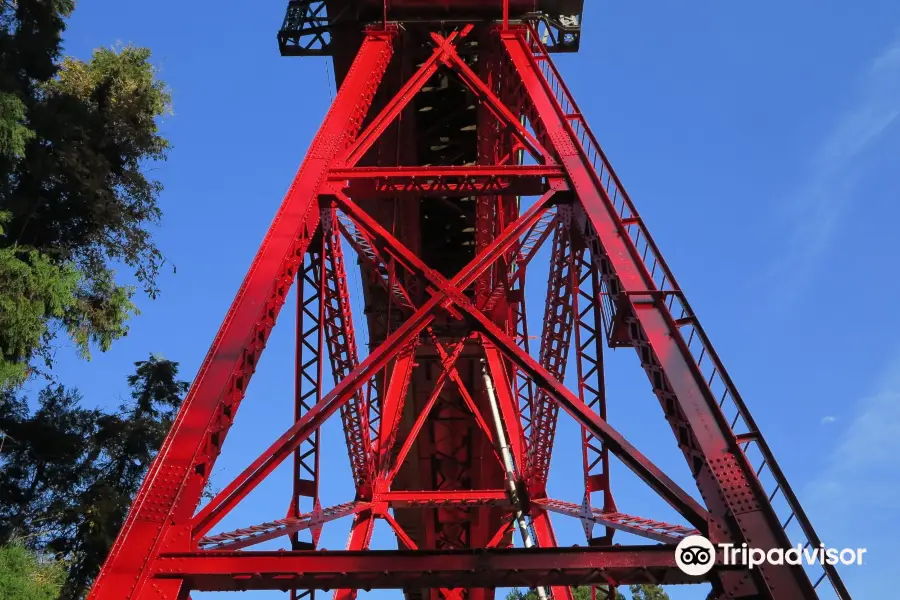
<point>617,444</point>
<point>446,293</point>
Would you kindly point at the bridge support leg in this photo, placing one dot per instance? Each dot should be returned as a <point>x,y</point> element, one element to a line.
<point>739,506</point>
<point>160,517</point>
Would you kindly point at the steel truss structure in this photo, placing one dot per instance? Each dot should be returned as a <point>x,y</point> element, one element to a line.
<point>424,166</point>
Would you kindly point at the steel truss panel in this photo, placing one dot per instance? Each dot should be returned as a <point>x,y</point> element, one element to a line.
<point>449,421</point>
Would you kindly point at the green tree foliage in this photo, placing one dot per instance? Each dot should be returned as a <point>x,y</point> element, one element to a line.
<point>517,594</point>
<point>583,592</point>
<point>68,474</point>
<point>75,140</point>
<point>46,461</point>
<point>648,592</point>
<point>128,443</point>
<point>24,577</point>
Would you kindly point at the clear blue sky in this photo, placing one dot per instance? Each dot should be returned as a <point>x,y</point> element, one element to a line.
<point>759,141</point>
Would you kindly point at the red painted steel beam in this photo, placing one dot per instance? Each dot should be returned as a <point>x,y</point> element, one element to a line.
<point>735,497</point>
<point>379,266</point>
<point>176,478</point>
<point>531,243</point>
<point>637,462</point>
<point>293,437</point>
<point>238,489</point>
<point>401,98</point>
<point>546,538</point>
<point>416,428</point>
<point>401,534</point>
<point>392,406</point>
<point>618,445</point>
<point>360,537</point>
<point>445,187</point>
<point>439,497</point>
<point>403,182</point>
<point>367,250</point>
<point>591,387</point>
<point>511,287</point>
<point>508,409</point>
<point>504,532</point>
<point>255,534</point>
<point>667,533</point>
<point>340,339</point>
<point>463,391</point>
<point>380,569</point>
<point>508,238</point>
<point>308,380</point>
<point>525,251</point>
<point>448,172</point>
<point>500,110</point>
<point>369,254</point>
<point>556,337</point>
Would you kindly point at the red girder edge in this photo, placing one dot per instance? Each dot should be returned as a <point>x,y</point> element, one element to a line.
<point>373,569</point>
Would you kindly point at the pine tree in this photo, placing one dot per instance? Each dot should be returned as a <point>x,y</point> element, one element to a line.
<point>23,576</point>
<point>129,441</point>
<point>47,459</point>
<point>68,475</point>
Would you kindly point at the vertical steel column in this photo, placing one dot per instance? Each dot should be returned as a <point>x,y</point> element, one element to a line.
<point>543,530</point>
<point>360,536</point>
<point>588,331</point>
<point>308,378</point>
<point>308,382</point>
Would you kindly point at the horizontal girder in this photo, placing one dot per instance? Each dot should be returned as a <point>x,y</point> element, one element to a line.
<point>373,569</point>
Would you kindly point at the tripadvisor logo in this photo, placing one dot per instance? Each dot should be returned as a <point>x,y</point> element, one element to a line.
<point>695,555</point>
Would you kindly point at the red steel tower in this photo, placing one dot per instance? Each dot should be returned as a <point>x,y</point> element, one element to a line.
<point>452,152</point>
